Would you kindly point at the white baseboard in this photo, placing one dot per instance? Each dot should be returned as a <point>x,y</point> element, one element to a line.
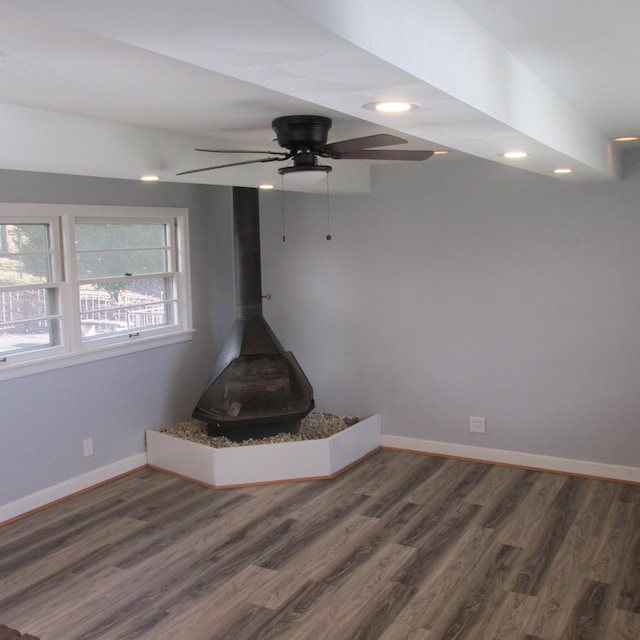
<point>69,487</point>
<point>515,458</point>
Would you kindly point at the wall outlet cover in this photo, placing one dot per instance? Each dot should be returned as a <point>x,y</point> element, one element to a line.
<point>477,425</point>
<point>87,447</point>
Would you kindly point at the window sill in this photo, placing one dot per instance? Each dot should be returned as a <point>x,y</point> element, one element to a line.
<point>9,371</point>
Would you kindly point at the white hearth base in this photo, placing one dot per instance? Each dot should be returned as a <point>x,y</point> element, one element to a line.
<point>263,463</point>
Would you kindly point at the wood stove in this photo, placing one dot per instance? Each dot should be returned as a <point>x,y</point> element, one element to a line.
<point>257,389</point>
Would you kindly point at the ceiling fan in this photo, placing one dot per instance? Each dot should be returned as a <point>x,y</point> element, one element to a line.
<point>305,137</point>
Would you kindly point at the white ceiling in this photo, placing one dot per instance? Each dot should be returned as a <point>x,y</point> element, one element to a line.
<point>128,87</point>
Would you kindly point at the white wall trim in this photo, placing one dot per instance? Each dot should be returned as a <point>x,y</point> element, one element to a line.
<point>87,480</point>
<point>67,488</point>
<point>516,458</point>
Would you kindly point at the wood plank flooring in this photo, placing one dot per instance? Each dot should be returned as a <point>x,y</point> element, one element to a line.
<point>401,547</point>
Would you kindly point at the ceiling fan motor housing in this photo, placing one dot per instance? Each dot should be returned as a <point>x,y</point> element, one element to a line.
<point>307,133</point>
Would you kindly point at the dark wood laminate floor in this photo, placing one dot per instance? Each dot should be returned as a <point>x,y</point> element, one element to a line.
<point>401,547</point>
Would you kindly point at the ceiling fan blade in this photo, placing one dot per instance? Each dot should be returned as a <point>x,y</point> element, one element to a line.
<point>368,142</point>
<point>272,153</point>
<point>386,154</point>
<point>231,164</point>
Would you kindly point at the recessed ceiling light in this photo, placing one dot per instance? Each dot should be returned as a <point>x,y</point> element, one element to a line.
<point>266,187</point>
<point>627,139</point>
<point>391,106</point>
<point>562,170</point>
<point>441,152</point>
<point>149,178</point>
<point>513,155</point>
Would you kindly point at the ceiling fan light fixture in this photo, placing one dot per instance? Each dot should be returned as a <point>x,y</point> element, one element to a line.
<point>315,168</point>
<point>391,106</point>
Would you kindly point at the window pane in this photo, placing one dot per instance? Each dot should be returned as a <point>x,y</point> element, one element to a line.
<point>28,336</point>
<point>91,236</point>
<point>24,269</point>
<point>23,253</point>
<point>17,306</point>
<point>107,264</point>
<point>23,238</point>
<point>114,321</point>
<point>125,305</point>
<point>22,323</point>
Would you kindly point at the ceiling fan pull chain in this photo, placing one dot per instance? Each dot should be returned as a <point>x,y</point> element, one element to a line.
<point>328,210</point>
<point>284,237</point>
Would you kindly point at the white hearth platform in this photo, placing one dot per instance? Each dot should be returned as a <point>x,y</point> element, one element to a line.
<point>263,463</point>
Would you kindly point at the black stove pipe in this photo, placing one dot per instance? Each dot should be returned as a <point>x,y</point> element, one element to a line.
<point>246,224</point>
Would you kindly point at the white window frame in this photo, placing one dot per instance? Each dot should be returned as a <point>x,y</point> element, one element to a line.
<point>72,349</point>
<point>57,282</point>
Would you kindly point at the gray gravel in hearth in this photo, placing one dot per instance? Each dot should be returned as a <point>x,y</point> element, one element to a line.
<point>315,426</point>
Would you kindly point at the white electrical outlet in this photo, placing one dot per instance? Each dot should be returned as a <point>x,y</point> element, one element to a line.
<point>477,425</point>
<point>87,446</point>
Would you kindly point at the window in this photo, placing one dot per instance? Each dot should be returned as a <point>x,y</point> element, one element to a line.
<point>29,287</point>
<point>126,277</point>
<point>79,283</point>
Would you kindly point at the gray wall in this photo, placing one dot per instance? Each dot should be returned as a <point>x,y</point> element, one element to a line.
<point>453,289</point>
<point>466,288</point>
<point>45,417</point>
